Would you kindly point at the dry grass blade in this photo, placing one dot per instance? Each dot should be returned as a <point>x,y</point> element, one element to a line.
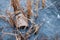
<point>29,8</point>
<point>3,17</point>
<point>43,3</point>
<point>11,21</point>
<point>15,4</point>
<point>37,2</point>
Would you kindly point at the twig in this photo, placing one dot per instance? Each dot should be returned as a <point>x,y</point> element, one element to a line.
<point>3,17</point>
<point>10,33</point>
<point>37,4</point>
<point>18,36</point>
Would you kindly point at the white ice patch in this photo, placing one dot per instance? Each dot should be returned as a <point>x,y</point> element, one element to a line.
<point>48,22</point>
<point>58,16</point>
